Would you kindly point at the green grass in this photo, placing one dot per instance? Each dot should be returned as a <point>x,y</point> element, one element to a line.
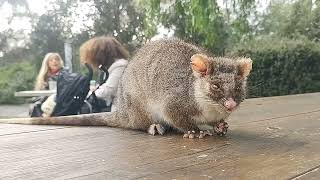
<point>15,77</point>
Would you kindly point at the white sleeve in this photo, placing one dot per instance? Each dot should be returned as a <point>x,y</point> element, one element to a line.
<point>108,90</point>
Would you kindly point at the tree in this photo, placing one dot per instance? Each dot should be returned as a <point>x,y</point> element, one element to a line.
<point>244,19</point>
<point>292,20</point>
<point>299,20</point>
<point>8,35</point>
<point>51,30</point>
<point>120,18</point>
<point>203,22</point>
<point>198,21</point>
<point>314,33</point>
<point>46,36</point>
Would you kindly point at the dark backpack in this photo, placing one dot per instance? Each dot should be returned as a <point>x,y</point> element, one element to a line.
<point>72,90</point>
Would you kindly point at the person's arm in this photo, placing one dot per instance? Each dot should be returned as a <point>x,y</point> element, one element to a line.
<point>108,90</point>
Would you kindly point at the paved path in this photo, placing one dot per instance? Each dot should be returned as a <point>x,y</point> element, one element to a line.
<point>14,110</point>
<point>268,138</point>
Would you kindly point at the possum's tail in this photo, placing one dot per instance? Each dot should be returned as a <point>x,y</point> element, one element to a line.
<point>96,119</point>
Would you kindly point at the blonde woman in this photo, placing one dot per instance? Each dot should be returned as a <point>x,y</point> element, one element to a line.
<point>108,53</point>
<point>51,66</point>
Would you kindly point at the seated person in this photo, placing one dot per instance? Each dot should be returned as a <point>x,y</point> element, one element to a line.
<point>110,55</point>
<point>52,64</point>
<point>50,68</point>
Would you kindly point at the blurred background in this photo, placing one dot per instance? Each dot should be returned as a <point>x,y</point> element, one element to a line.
<point>281,36</point>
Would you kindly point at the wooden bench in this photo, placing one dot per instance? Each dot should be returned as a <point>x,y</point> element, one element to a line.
<point>268,138</point>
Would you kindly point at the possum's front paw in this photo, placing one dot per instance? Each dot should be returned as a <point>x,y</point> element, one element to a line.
<point>193,134</point>
<point>221,128</point>
<point>189,134</point>
<point>156,129</point>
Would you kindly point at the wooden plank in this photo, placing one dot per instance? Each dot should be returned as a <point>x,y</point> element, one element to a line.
<point>100,149</point>
<point>280,148</point>
<point>257,109</point>
<point>257,147</point>
<point>12,129</point>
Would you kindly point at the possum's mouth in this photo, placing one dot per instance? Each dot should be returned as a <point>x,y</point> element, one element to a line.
<point>223,110</point>
<point>228,104</point>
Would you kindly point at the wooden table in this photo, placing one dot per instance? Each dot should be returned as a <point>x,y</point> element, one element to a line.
<point>268,138</point>
<point>34,93</point>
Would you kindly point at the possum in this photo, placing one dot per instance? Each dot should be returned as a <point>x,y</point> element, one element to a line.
<point>170,84</point>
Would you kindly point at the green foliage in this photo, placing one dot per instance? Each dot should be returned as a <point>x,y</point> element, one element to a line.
<point>282,66</point>
<point>292,20</point>
<point>18,55</point>
<point>238,15</point>
<point>15,77</point>
<point>152,18</point>
<point>200,22</point>
<point>119,18</point>
<point>51,30</point>
<point>46,37</point>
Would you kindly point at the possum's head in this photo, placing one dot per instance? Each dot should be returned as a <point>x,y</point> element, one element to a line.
<point>221,80</point>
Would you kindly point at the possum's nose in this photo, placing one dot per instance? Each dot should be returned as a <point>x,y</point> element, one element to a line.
<point>230,104</point>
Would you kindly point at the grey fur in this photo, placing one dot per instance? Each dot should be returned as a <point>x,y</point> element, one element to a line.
<point>160,87</point>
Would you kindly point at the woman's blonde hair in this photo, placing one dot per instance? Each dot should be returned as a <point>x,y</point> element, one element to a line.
<point>42,77</point>
<point>103,51</point>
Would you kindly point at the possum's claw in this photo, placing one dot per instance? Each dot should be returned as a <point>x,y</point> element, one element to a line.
<point>189,134</point>
<point>193,134</point>
<point>221,128</point>
<point>156,129</point>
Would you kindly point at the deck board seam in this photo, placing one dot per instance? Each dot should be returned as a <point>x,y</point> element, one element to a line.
<point>304,173</point>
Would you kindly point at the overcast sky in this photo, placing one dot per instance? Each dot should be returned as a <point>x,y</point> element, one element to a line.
<point>35,6</point>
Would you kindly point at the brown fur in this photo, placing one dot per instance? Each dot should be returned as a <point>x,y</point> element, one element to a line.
<point>160,86</point>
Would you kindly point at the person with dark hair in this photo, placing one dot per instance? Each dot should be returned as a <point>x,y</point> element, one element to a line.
<point>106,53</point>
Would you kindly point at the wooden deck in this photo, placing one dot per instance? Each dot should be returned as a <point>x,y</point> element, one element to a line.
<point>268,138</point>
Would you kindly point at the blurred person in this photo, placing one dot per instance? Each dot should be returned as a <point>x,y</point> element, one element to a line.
<point>110,55</point>
<point>50,68</point>
<point>52,64</point>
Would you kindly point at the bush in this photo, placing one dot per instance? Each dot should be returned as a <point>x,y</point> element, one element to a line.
<point>15,77</point>
<point>282,67</point>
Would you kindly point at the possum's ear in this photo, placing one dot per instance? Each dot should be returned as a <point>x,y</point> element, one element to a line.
<point>245,66</point>
<point>200,64</point>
